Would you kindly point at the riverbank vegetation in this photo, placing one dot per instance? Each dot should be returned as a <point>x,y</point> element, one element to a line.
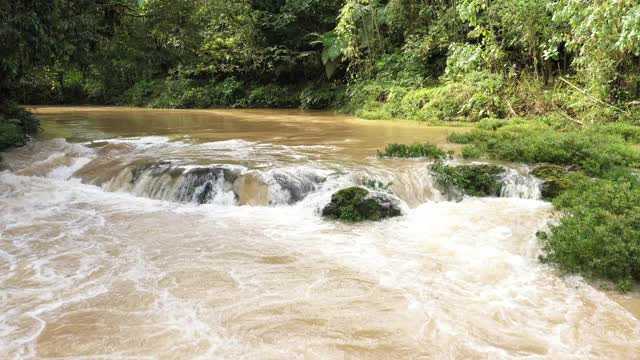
<point>553,81</point>
<point>591,175</point>
<point>436,61</point>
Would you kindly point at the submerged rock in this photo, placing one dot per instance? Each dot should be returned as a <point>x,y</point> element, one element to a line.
<point>554,178</point>
<point>296,186</point>
<point>471,180</point>
<point>357,204</point>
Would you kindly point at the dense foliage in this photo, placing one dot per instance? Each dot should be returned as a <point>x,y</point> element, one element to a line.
<point>16,124</point>
<point>471,180</point>
<point>434,60</point>
<point>600,236</point>
<point>37,36</point>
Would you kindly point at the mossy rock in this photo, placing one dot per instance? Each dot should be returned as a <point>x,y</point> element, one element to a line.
<point>555,179</point>
<point>356,204</point>
<point>471,180</point>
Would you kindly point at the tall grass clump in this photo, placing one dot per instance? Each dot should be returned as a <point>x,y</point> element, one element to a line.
<point>413,151</point>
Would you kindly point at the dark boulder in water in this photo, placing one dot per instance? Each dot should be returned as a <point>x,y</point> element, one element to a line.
<point>554,178</point>
<point>297,186</point>
<point>356,204</point>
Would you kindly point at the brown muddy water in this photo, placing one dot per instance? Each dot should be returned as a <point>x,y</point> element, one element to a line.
<point>160,234</point>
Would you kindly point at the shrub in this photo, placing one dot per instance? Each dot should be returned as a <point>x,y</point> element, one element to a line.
<point>228,92</point>
<point>318,97</point>
<point>172,93</point>
<point>271,96</point>
<point>16,123</point>
<point>412,151</point>
<point>464,59</point>
<point>10,133</point>
<point>26,120</point>
<point>141,93</point>
<point>374,100</point>
<point>472,180</point>
<point>600,232</point>
<point>471,152</point>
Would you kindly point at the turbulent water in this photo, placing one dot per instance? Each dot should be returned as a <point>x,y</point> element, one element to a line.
<point>196,235</point>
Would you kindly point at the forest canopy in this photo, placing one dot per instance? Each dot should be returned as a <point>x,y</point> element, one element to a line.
<point>376,58</point>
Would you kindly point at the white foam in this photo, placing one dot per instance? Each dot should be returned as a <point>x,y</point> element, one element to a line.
<point>446,280</point>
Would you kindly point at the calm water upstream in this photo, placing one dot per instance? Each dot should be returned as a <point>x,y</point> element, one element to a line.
<point>158,234</point>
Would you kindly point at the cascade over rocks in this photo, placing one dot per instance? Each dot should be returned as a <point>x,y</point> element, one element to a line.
<point>217,184</point>
<point>297,186</point>
<point>356,204</point>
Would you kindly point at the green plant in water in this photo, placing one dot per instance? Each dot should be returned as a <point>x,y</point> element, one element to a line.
<point>413,151</point>
<point>357,204</point>
<point>472,180</point>
<point>376,185</point>
<point>555,179</point>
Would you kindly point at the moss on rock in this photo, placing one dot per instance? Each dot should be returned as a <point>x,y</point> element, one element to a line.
<point>472,180</point>
<point>356,204</point>
<point>555,179</point>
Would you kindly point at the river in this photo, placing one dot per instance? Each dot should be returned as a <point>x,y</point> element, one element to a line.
<point>185,234</point>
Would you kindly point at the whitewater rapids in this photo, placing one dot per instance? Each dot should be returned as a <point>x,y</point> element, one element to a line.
<point>116,250</point>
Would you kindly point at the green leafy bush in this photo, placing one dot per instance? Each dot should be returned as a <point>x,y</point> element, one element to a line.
<point>318,97</point>
<point>271,96</point>
<point>172,95</point>
<point>413,151</point>
<point>472,180</point>
<point>191,94</point>
<point>600,232</point>
<point>10,133</point>
<point>141,93</point>
<point>16,123</point>
<point>374,100</point>
<point>471,152</point>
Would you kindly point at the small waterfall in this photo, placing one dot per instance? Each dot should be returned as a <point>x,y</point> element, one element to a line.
<point>289,186</point>
<point>518,185</point>
<point>165,181</point>
<point>218,184</point>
